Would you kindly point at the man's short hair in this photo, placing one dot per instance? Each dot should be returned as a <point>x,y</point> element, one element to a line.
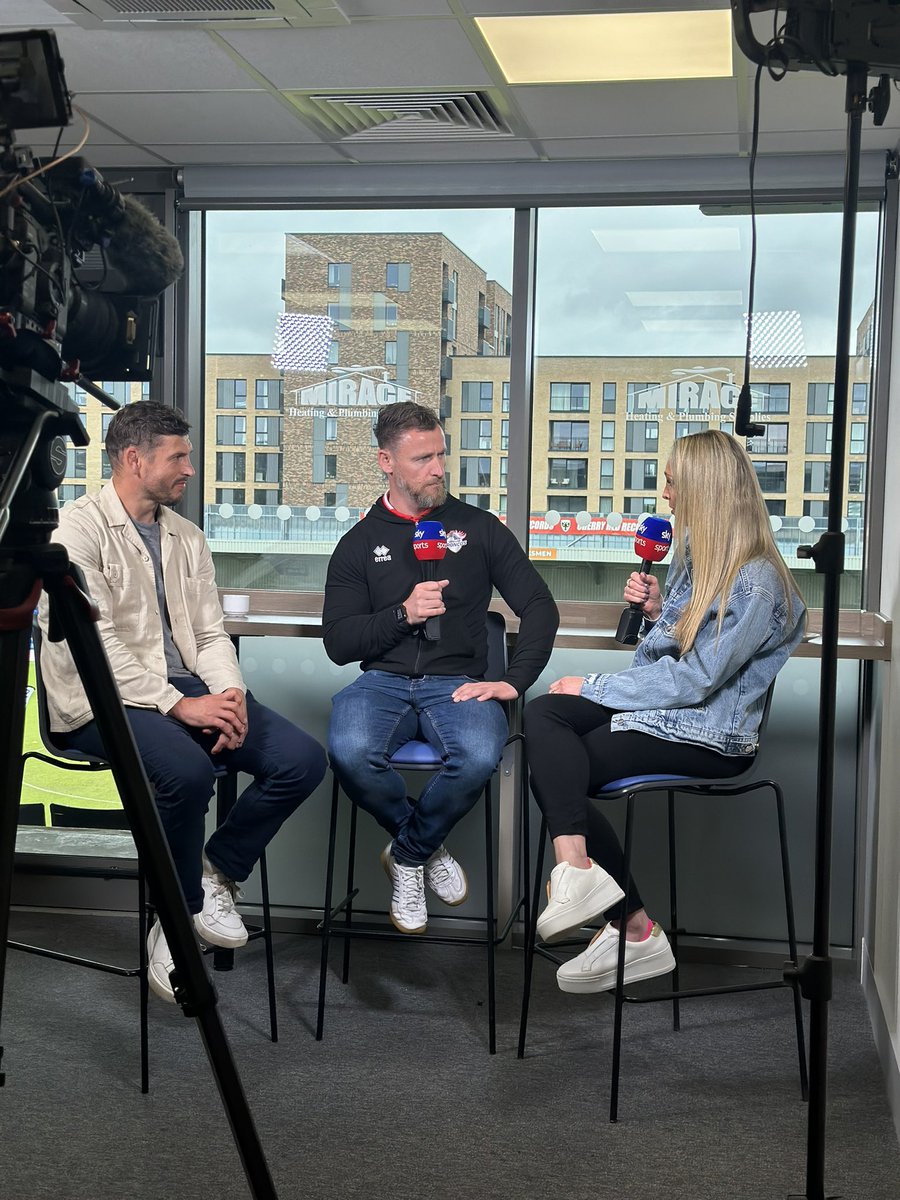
<point>396,419</point>
<point>143,424</point>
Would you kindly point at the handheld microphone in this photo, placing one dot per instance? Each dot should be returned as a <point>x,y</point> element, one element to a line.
<point>429,547</point>
<point>652,543</point>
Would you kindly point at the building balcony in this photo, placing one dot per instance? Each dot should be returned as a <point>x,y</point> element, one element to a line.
<point>447,367</point>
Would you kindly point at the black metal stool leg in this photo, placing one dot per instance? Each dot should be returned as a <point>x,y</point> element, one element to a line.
<point>531,933</point>
<point>326,915</point>
<point>792,939</point>
<point>490,932</point>
<point>673,911</point>
<point>143,982</point>
<point>267,939</point>
<point>348,908</point>
<point>620,968</point>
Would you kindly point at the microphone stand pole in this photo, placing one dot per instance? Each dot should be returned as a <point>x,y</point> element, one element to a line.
<point>815,972</point>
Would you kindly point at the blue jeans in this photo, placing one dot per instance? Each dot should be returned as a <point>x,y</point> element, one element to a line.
<point>380,711</point>
<point>286,765</point>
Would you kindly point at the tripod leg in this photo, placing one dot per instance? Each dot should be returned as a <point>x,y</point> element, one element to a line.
<point>193,990</point>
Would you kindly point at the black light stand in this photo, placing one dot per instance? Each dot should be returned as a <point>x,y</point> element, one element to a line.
<point>36,413</point>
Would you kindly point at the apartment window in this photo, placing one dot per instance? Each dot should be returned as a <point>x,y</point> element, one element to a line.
<point>331,466</point>
<point>820,399</point>
<point>604,505</point>
<point>105,419</point>
<point>640,473</point>
<point>568,505</point>
<point>329,499</point>
<point>859,400</point>
<point>397,275</point>
<point>390,354</point>
<point>334,353</point>
<point>340,314</point>
<point>231,431</point>
<point>634,506</point>
<point>504,471</point>
<point>772,475</point>
<point>818,437</point>
<point>640,435</point>
<point>338,274</point>
<point>816,477</point>
<point>609,398</point>
<point>770,397</point>
<point>641,396</point>
<point>686,428</point>
<point>815,508</point>
<point>105,466</point>
<point>268,431</point>
<point>477,396</point>
<point>474,472</point>
<point>571,435</point>
<point>76,464</point>
<point>567,473</point>
<point>856,477</point>
<point>231,467</point>
<point>773,441</point>
<point>858,437</point>
<point>70,491</point>
<point>570,397</point>
<point>607,466</point>
<point>476,435</point>
<point>776,508</point>
<point>331,429</point>
<point>231,393</point>
<point>266,496</point>
<point>608,436</point>
<point>504,397</point>
<point>478,499</point>
<point>230,495</point>
<point>504,435</point>
<point>270,394</point>
<point>856,510</point>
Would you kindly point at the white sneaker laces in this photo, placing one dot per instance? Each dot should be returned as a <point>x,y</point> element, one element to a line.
<point>409,887</point>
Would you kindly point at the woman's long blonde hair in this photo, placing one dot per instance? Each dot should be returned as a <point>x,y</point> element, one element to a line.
<point>721,520</point>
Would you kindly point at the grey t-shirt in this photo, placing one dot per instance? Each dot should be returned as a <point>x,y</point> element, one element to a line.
<point>151,538</point>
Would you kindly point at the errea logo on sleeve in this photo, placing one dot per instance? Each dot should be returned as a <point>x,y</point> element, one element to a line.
<point>382,554</point>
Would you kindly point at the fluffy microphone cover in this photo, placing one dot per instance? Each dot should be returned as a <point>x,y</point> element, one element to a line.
<point>144,253</point>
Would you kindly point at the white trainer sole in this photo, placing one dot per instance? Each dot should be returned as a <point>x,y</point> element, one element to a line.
<point>660,963</point>
<point>569,919</point>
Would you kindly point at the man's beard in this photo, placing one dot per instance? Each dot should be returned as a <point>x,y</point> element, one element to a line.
<point>434,497</point>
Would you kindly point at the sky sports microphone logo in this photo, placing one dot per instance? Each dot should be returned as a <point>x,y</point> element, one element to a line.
<point>653,539</point>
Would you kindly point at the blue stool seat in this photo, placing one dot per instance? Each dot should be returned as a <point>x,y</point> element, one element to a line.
<point>631,781</point>
<point>416,754</point>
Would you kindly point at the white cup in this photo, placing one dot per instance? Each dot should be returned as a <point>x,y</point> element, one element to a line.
<point>235,606</point>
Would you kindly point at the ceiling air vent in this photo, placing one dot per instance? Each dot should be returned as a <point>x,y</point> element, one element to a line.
<point>138,13</point>
<point>407,116</point>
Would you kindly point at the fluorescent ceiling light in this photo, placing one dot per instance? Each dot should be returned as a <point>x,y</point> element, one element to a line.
<point>712,240</point>
<point>685,299</point>
<point>611,46</point>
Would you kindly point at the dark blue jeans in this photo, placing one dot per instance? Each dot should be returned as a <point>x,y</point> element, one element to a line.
<point>375,715</point>
<point>286,765</point>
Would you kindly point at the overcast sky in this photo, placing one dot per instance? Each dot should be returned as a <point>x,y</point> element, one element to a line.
<point>611,281</point>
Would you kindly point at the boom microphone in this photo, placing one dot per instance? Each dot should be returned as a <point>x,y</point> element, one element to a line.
<point>652,543</point>
<point>145,253</point>
<point>429,547</point>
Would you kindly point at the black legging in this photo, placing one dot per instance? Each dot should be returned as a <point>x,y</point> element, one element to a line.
<point>572,753</point>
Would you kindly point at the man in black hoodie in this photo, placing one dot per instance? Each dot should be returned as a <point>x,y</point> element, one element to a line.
<point>376,606</point>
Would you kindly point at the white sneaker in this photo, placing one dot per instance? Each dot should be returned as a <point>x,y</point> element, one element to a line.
<point>594,970</point>
<point>407,911</point>
<point>446,878</point>
<point>575,895</point>
<point>218,921</point>
<point>159,964</point>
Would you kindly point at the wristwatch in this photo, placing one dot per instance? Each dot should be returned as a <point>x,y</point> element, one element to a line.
<point>400,615</point>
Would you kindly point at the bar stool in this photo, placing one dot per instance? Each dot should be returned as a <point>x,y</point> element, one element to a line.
<point>630,789</point>
<point>419,756</point>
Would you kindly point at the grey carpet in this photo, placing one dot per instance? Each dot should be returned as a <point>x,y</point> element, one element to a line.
<point>401,1100</point>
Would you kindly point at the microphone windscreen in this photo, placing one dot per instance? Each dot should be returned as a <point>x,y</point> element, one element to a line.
<point>653,539</point>
<point>146,254</point>
<point>429,541</point>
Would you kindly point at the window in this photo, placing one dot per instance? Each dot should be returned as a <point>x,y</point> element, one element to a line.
<point>231,393</point>
<point>230,495</point>
<point>815,508</point>
<point>859,400</point>
<point>474,472</point>
<point>504,435</point>
<point>609,398</point>
<point>816,477</point>
<point>477,396</point>
<point>634,506</point>
<point>640,435</point>
<point>607,466</point>
<point>770,397</point>
<point>76,464</point>
<point>230,467</point>
<point>329,499</point>
<point>858,437</point>
<point>105,466</point>
<point>338,275</point>
<point>818,437</point>
<point>568,505</point>
<point>641,397</point>
<point>267,496</point>
<point>340,314</point>
<point>640,473</point>
<point>397,275</point>
<point>567,473</point>
<point>571,435</point>
<point>334,353</point>
<point>570,397</point>
<point>268,431</point>
<point>504,471</point>
<point>478,500</point>
<point>231,431</point>
<point>686,428</point>
<point>330,466</point>
<point>270,394</point>
<point>331,429</point>
<point>773,441</point>
<point>776,508</point>
<point>504,400</point>
<point>70,491</point>
<point>856,477</point>
<point>105,419</point>
<point>390,354</point>
<point>820,399</point>
<point>608,436</point>
<point>267,468</point>
<point>476,435</point>
<point>772,476</point>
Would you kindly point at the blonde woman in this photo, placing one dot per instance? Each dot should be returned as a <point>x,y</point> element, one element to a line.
<point>690,703</point>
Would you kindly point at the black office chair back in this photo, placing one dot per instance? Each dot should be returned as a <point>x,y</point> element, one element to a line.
<point>47,736</point>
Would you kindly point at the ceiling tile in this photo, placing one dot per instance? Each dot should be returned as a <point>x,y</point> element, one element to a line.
<point>204,117</point>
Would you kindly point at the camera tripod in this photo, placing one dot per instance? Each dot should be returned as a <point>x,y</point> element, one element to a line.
<point>30,562</point>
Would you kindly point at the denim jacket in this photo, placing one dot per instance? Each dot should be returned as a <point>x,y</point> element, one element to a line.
<point>714,695</point>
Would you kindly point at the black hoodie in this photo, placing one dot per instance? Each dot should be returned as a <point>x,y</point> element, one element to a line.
<point>373,569</point>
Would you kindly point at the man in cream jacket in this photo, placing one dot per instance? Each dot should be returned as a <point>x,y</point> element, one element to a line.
<point>151,574</point>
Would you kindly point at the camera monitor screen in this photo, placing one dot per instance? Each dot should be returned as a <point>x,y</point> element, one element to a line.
<point>32,85</point>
